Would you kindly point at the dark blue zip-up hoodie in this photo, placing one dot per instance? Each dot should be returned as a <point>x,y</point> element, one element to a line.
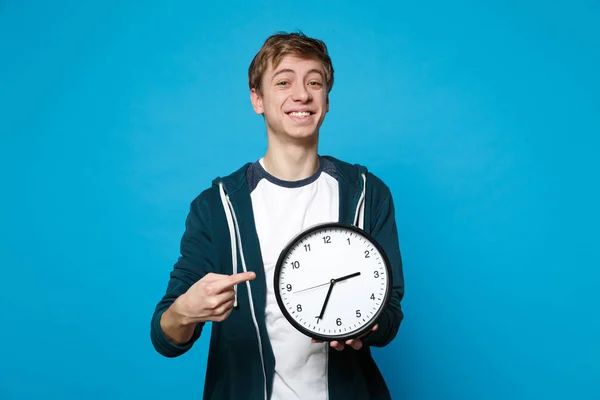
<point>220,235</point>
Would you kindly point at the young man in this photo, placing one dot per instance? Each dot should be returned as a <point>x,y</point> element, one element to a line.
<point>247,218</point>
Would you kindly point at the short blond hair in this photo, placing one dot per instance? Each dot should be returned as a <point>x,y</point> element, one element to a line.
<point>282,44</point>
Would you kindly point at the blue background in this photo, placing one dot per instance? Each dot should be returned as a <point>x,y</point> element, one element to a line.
<point>482,117</point>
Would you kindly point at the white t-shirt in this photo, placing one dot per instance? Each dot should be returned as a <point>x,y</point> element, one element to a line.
<point>281,210</point>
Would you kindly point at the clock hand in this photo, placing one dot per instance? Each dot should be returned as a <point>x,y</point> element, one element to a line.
<point>312,287</point>
<point>343,278</point>
<point>332,282</point>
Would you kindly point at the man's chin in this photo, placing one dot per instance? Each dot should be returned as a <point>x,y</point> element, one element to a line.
<point>295,134</point>
<point>301,132</point>
<point>304,135</point>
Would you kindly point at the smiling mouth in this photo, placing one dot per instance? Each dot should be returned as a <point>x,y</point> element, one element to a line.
<point>300,114</point>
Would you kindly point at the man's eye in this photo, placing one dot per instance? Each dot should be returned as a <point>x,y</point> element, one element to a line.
<point>314,83</point>
<point>282,84</point>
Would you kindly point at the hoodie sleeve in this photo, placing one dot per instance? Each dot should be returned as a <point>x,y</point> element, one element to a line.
<point>384,230</point>
<point>193,263</point>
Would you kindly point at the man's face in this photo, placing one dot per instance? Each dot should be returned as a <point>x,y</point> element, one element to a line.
<point>293,98</point>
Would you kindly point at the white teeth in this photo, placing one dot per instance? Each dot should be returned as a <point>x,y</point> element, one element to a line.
<point>300,114</point>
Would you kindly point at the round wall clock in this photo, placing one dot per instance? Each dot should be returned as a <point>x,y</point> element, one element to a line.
<point>332,281</point>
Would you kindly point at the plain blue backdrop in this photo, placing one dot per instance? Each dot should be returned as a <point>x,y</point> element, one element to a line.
<point>482,117</point>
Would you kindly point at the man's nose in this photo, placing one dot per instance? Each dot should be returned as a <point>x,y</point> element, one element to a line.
<point>300,93</point>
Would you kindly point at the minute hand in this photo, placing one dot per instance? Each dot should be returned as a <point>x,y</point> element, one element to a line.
<point>326,300</point>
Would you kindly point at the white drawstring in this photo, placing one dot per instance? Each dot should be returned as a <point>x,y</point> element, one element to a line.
<point>226,207</point>
<point>359,216</point>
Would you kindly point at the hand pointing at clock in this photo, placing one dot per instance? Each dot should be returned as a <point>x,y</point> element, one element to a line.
<point>209,299</point>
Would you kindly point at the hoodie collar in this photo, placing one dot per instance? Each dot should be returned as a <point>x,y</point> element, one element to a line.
<point>348,174</point>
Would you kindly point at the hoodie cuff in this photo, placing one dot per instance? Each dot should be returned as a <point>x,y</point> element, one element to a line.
<point>374,338</point>
<point>162,344</point>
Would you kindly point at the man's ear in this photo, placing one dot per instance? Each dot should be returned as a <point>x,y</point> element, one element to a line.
<point>327,104</point>
<point>256,101</point>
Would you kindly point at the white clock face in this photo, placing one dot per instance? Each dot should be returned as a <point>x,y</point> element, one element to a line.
<point>332,281</point>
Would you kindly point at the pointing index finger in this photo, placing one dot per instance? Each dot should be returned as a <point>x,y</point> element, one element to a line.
<point>227,282</point>
<point>241,277</point>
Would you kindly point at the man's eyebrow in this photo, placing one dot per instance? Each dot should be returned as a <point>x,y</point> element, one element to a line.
<point>286,70</point>
<point>318,71</point>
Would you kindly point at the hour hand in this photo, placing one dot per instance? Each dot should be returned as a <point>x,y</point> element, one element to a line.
<point>343,278</point>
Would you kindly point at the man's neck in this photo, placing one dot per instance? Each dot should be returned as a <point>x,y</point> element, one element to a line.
<point>291,161</point>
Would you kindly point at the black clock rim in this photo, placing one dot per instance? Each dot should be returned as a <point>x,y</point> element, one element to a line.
<point>297,238</point>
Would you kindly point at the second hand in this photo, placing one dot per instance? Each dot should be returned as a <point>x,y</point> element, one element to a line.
<point>312,287</point>
<point>343,278</point>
